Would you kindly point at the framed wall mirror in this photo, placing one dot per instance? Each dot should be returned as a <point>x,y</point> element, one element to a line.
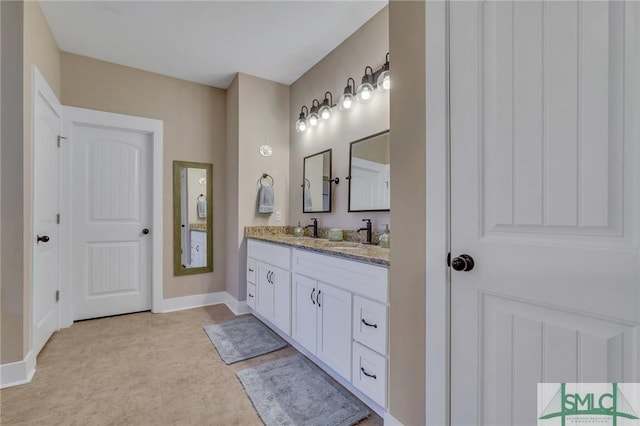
<point>316,187</point>
<point>192,218</point>
<point>369,174</point>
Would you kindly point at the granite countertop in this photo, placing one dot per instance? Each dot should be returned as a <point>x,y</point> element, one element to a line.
<point>346,249</point>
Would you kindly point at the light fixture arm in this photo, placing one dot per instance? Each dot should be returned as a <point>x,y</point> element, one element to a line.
<point>368,78</point>
<point>330,98</point>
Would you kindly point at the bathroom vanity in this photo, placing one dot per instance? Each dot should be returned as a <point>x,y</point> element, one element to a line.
<point>330,301</point>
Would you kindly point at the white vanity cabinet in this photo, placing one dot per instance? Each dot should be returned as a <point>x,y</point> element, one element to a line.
<point>269,280</point>
<point>320,313</point>
<point>349,329</point>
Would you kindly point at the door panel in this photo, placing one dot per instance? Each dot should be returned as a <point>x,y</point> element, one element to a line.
<point>544,197</point>
<point>46,205</point>
<point>111,174</point>
<point>304,312</point>
<point>334,332</point>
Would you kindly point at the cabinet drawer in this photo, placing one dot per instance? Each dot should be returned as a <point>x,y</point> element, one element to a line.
<point>274,254</point>
<point>251,295</point>
<point>251,270</point>
<point>370,324</point>
<point>370,373</point>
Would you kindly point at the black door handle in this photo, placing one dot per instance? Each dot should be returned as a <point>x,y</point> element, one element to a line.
<point>145,231</point>
<point>318,299</point>
<point>312,293</point>
<point>463,263</point>
<point>43,238</point>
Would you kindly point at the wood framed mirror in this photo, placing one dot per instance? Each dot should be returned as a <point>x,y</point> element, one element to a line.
<point>192,218</point>
<point>370,174</point>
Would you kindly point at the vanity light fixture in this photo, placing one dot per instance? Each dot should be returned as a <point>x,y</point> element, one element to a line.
<point>348,99</point>
<point>325,108</point>
<point>301,123</point>
<point>313,115</point>
<point>365,90</point>
<point>371,80</point>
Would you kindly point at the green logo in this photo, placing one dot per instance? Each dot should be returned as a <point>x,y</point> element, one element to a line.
<point>566,404</point>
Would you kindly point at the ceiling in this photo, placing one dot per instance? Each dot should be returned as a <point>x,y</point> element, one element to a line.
<point>208,41</point>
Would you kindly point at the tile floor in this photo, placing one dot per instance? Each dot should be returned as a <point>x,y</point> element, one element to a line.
<point>138,369</point>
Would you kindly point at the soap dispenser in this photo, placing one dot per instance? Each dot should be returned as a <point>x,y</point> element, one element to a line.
<point>298,231</point>
<point>385,239</point>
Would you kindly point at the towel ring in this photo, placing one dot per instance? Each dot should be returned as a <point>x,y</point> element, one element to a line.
<point>264,176</point>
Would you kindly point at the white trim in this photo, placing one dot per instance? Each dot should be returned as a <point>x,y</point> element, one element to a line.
<point>437,307</point>
<point>19,372</point>
<point>389,420</point>
<point>238,308</point>
<point>194,301</point>
<point>118,121</point>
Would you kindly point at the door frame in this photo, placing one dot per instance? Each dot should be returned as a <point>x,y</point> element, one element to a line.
<point>153,128</point>
<point>40,87</point>
<point>438,228</point>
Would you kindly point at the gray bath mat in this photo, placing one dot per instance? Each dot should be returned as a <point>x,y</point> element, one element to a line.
<point>293,391</point>
<point>243,338</point>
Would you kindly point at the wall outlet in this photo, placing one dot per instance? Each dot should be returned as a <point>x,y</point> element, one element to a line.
<point>278,216</point>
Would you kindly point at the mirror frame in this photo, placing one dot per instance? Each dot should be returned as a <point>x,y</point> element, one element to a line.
<point>177,228</point>
<point>349,210</point>
<point>304,164</point>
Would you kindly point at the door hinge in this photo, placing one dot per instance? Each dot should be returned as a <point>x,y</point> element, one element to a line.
<point>58,218</point>
<point>59,139</point>
<point>57,295</point>
<point>449,259</point>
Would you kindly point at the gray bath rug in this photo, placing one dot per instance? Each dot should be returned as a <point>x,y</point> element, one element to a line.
<point>243,338</point>
<point>293,391</point>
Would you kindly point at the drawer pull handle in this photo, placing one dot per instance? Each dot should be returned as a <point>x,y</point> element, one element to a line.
<point>369,325</point>
<point>250,295</point>
<point>312,293</point>
<point>250,270</point>
<point>373,376</point>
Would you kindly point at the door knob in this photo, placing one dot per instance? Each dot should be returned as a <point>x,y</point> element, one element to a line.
<point>464,263</point>
<point>145,231</point>
<point>43,238</point>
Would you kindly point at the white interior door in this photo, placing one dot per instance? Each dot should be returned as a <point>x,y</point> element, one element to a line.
<point>111,214</point>
<point>46,206</point>
<point>545,170</point>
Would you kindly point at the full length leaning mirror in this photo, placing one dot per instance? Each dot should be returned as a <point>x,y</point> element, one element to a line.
<point>192,218</point>
<point>369,174</point>
<point>316,187</point>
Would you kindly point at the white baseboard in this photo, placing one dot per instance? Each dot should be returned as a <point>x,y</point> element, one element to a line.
<point>207,299</point>
<point>19,372</point>
<point>238,308</point>
<point>195,301</point>
<point>389,420</point>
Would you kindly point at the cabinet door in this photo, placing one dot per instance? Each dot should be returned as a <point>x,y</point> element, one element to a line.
<point>265,290</point>
<point>334,329</point>
<point>304,309</point>
<point>281,280</point>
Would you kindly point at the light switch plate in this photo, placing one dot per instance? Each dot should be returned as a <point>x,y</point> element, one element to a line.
<point>278,216</point>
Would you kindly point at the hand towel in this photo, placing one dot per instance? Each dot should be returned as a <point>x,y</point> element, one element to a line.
<point>267,199</point>
<point>202,208</point>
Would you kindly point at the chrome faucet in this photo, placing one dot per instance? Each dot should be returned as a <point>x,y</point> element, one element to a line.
<point>368,229</point>
<point>314,225</point>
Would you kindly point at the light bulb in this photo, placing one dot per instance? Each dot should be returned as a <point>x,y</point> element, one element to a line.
<point>325,112</point>
<point>365,92</point>
<point>301,125</point>
<point>384,80</point>
<point>313,119</point>
<point>346,102</point>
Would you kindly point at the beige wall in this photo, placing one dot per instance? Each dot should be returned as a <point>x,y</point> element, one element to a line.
<point>194,190</point>
<point>194,130</point>
<point>408,169</point>
<point>367,46</point>
<point>11,172</point>
<point>262,117</point>
<point>40,49</point>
